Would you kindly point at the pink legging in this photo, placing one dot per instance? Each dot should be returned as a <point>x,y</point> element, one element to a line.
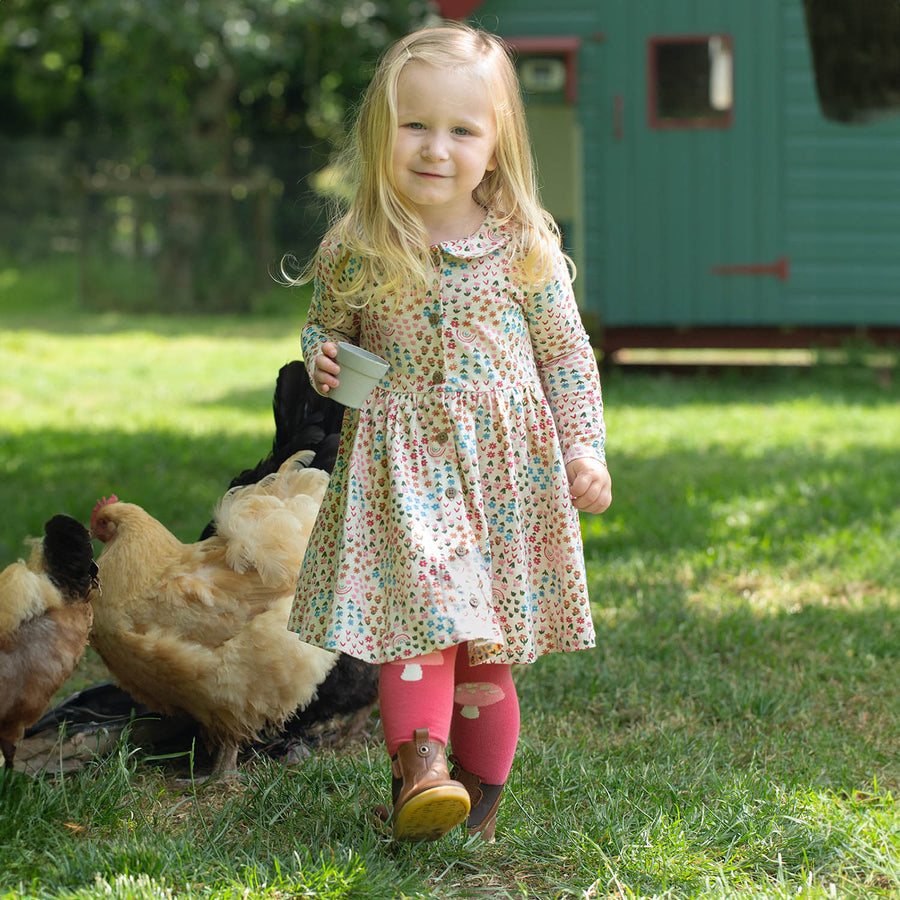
<point>473,708</point>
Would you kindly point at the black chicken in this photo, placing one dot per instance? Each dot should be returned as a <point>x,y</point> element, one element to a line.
<point>305,420</point>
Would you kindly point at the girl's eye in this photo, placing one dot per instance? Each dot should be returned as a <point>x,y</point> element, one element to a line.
<point>461,130</point>
<point>415,125</point>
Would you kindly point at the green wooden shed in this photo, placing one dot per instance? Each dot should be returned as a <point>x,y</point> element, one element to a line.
<point>702,192</point>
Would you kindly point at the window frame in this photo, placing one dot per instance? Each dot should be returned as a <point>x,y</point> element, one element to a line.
<point>696,123</point>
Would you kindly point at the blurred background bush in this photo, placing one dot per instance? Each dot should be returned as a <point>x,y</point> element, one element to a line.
<point>172,146</point>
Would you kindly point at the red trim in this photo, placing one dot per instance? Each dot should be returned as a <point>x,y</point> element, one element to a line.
<point>618,104</point>
<point>457,9</point>
<point>781,269</point>
<point>561,45</point>
<point>700,122</point>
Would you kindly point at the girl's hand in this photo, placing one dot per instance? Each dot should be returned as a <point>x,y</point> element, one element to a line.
<point>590,484</point>
<point>326,368</point>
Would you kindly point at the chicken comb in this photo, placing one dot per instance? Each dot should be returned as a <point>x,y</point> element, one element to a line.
<point>105,501</point>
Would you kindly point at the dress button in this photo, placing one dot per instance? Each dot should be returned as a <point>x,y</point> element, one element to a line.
<point>450,493</point>
<point>434,319</point>
<point>461,551</point>
<point>473,601</point>
<point>437,378</point>
<point>442,437</point>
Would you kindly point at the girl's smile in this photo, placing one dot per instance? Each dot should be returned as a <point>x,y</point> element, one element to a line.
<point>445,143</point>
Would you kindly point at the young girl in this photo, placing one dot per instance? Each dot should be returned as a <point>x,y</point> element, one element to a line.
<point>448,545</point>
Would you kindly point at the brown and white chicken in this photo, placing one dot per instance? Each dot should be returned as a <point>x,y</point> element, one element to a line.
<point>201,628</point>
<point>45,619</point>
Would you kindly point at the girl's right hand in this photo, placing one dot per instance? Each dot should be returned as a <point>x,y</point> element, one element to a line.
<point>326,369</point>
<point>590,484</point>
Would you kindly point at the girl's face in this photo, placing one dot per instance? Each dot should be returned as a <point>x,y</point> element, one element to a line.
<point>445,143</point>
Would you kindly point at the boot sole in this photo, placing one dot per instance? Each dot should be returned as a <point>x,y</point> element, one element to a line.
<point>430,815</point>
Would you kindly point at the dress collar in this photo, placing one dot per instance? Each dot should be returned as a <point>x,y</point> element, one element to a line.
<point>489,237</point>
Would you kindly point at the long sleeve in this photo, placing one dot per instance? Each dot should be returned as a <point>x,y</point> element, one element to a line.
<point>327,319</point>
<point>567,366</point>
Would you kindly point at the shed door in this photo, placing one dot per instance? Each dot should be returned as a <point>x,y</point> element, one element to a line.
<point>547,74</point>
<point>556,142</point>
<point>691,227</point>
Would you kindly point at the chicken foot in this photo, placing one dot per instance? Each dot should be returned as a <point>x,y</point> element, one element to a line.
<point>225,767</point>
<point>225,762</point>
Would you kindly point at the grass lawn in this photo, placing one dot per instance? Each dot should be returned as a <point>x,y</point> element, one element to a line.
<point>735,734</point>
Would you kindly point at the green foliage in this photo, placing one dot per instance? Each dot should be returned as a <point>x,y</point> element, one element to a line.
<point>40,65</point>
<point>166,72</point>
<point>218,94</point>
<point>854,47</point>
<point>733,735</point>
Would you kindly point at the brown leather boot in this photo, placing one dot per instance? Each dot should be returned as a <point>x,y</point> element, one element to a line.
<point>428,803</point>
<point>484,799</point>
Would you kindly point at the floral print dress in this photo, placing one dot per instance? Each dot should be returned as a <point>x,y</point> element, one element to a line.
<point>448,517</point>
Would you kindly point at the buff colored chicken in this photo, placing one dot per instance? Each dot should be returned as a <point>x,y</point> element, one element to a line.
<point>202,628</point>
<point>45,617</point>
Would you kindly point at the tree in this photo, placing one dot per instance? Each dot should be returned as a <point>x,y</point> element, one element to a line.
<point>212,88</point>
<point>855,54</point>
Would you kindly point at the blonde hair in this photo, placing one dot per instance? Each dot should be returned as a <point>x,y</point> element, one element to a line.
<point>385,238</point>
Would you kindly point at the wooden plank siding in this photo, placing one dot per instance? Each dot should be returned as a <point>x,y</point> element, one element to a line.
<point>841,203</point>
<point>683,201</point>
<point>782,220</point>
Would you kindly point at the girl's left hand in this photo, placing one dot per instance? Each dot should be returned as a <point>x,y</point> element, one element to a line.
<point>590,484</point>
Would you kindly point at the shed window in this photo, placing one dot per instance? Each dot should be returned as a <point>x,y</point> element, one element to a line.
<point>691,81</point>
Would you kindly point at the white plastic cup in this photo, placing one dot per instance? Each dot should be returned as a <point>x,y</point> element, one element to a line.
<point>360,372</point>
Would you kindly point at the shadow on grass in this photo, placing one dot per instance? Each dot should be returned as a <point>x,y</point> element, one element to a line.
<point>709,511</point>
<point>250,401</point>
<point>761,385</point>
<point>43,295</point>
<point>178,478</point>
<point>724,510</point>
<point>716,522</point>
<point>700,733</point>
<point>100,325</point>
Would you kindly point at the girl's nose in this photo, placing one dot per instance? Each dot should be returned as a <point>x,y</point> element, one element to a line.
<point>434,148</point>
